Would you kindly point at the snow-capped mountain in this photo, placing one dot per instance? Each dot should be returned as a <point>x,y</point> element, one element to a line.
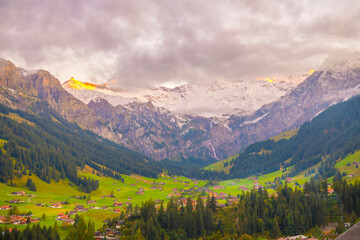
<point>141,123</point>
<point>218,99</point>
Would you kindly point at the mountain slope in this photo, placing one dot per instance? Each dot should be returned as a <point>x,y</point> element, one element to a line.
<point>330,136</point>
<point>322,89</point>
<point>51,147</point>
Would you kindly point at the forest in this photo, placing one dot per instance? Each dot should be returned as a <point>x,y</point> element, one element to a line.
<point>330,136</point>
<point>257,215</point>
<point>54,149</point>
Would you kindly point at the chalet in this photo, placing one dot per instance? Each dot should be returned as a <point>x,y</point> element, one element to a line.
<point>56,205</point>
<point>15,201</point>
<point>218,187</point>
<point>139,193</point>
<point>68,221</point>
<point>231,200</point>
<point>141,189</point>
<point>118,210</point>
<point>72,213</point>
<point>127,203</point>
<point>117,204</point>
<point>105,207</point>
<point>60,214</point>
<point>119,224</point>
<point>90,202</point>
<point>78,207</point>
<point>129,198</point>
<point>5,207</point>
<point>21,193</point>
<point>39,204</point>
<point>162,183</point>
<point>83,210</point>
<point>243,188</point>
<point>62,217</point>
<point>153,187</point>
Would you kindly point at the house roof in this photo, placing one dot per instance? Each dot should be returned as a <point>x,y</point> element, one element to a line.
<point>352,233</point>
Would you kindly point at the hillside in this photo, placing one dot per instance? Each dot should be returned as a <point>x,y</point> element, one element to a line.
<point>52,148</point>
<point>330,136</point>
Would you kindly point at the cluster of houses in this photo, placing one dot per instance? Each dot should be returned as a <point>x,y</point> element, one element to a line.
<point>65,218</point>
<point>16,201</point>
<point>20,193</point>
<point>140,191</point>
<point>120,204</point>
<point>18,219</point>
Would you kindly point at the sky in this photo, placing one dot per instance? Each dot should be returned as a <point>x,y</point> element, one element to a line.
<point>142,43</point>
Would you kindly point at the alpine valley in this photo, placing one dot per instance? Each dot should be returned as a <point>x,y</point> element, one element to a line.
<point>284,157</point>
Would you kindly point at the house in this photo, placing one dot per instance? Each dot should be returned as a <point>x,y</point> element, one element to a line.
<point>175,189</point>
<point>119,224</point>
<point>39,204</point>
<point>153,187</point>
<point>218,187</point>
<point>127,203</point>
<point>118,210</point>
<point>72,213</point>
<point>83,210</point>
<point>243,188</point>
<point>139,193</point>
<point>129,198</point>
<point>90,202</point>
<point>15,201</point>
<point>68,222</point>
<point>351,234</point>
<point>105,207</point>
<point>56,205</point>
<point>5,207</point>
<point>78,207</point>
<point>117,204</point>
<point>63,217</point>
<point>21,193</point>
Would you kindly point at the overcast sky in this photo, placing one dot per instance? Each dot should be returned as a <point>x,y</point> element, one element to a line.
<point>140,43</point>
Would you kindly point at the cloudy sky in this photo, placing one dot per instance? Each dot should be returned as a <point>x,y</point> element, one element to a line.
<point>141,43</point>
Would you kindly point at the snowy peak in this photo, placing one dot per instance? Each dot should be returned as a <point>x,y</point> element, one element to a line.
<point>218,99</point>
<point>75,84</point>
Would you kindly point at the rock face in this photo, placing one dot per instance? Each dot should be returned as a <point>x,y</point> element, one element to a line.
<point>160,133</point>
<point>319,91</point>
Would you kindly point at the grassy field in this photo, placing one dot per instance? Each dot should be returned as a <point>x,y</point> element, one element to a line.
<point>126,191</point>
<point>65,190</point>
<point>219,166</point>
<point>285,135</point>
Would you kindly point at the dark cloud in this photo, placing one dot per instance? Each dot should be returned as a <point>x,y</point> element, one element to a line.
<point>140,43</point>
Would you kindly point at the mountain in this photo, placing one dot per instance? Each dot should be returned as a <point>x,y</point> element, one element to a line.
<point>216,99</point>
<point>330,136</point>
<point>141,122</point>
<point>335,83</point>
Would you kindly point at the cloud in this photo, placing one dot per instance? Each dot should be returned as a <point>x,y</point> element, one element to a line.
<point>142,43</point>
